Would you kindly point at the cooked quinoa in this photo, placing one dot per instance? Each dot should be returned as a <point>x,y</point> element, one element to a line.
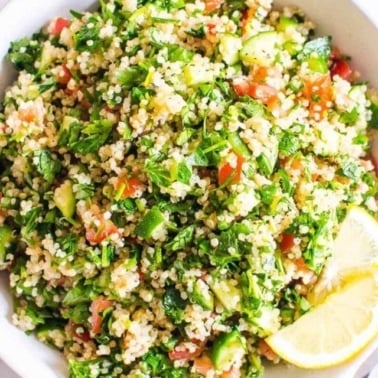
<point>173,174</point>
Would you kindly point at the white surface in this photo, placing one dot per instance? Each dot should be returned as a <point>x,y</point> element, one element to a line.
<point>352,33</point>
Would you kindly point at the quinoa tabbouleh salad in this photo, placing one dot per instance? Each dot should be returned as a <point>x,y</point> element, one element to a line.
<point>173,174</point>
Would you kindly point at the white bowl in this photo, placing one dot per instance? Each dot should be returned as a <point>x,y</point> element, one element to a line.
<point>354,27</point>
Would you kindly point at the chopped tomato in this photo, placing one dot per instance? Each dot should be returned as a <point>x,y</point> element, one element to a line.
<point>64,76</point>
<point>211,28</point>
<point>186,351</point>
<point>203,365</point>
<point>96,234</point>
<point>319,92</point>
<point>129,187</point>
<point>97,307</point>
<point>263,92</point>
<point>241,86</point>
<point>228,173</point>
<point>27,114</point>
<point>234,372</point>
<point>80,332</point>
<point>266,351</point>
<point>57,25</point>
<point>212,5</point>
<point>287,242</point>
<point>247,17</point>
<point>341,68</point>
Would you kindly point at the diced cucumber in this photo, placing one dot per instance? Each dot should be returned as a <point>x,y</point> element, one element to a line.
<point>46,57</point>
<point>65,200</point>
<point>286,23</point>
<point>229,47</point>
<point>228,349</point>
<point>260,49</point>
<point>151,221</point>
<point>227,294</point>
<point>317,64</point>
<point>373,122</point>
<point>202,295</point>
<point>195,74</point>
<point>6,237</point>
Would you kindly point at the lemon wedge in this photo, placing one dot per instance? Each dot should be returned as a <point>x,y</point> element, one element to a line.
<point>336,330</point>
<point>355,250</point>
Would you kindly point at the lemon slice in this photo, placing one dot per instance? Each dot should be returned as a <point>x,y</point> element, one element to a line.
<point>355,249</point>
<point>335,330</point>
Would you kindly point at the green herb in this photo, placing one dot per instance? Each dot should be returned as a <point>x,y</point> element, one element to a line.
<point>198,32</point>
<point>91,138</point>
<point>289,144</point>
<point>69,243</point>
<point>24,53</point>
<point>88,36</point>
<point>174,305</point>
<point>349,118</point>
<point>46,165</point>
<point>157,173</point>
<point>182,239</point>
<point>183,173</point>
<point>177,53</point>
<point>131,77</point>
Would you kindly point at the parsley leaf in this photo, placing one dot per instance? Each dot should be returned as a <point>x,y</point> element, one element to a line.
<point>46,165</point>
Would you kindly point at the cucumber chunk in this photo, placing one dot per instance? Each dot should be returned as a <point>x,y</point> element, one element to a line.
<point>65,200</point>
<point>229,47</point>
<point>228,349</point>
<point>260,49</point>
<point>227,294</point>
<point>202,295</point>
<point>151,221</point>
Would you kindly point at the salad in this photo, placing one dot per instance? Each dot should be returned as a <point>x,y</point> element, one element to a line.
<point>173,174</point>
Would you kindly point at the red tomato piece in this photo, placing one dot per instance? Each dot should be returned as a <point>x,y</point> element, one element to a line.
<point>203,365</point>
<point>234,372</point>
<point>58,25</point>
<point>185,351</point>
<point>97,307</point>
<point>64,75</point>
<point>287,242</point>
<point>319,92</point>
<point>212,5</point>
<point>341,68</point>
<point>131,187</point>
<point>241,86</point>
<point>263,92</point>
<point>95,235</point>
<point>231,174</point>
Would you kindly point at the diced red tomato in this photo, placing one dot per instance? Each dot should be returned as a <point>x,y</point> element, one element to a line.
<point>186,351</point>
<point>212,5</point>
<point>131,186</point>
<point>341,68</point>
<point>57,25</point>
<point>64,75</point>
<point>27,114</point>
<point>287,242</point>
<point>230,174</point>
<point>241,86</point>
<point>96,234</point>
<point>211,28</point>
<point>234,372</point>
<point>81,333</point>
<point>97,307</point>
<point>266,351</point>
<point>203,365</point>
<point>319,92</point>
<point>247,17</point>
<point>263,92</point>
